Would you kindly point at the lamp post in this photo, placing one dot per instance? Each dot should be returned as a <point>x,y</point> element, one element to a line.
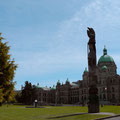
<point>36,103</point>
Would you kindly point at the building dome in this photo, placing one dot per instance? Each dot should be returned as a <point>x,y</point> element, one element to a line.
<point>58,82</point>
<point>85,71</point>
<point>67,80</point>
<point>38,86</point>
<point>105,57</point>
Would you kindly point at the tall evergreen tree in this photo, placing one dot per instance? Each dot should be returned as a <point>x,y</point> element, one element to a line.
<point>29,93</point>
<point>7,72</point>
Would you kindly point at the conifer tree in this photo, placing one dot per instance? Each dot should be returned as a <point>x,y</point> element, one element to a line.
<point>29,93</point>
<point>7,72</point>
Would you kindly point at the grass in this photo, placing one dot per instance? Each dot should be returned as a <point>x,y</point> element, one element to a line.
<point>13,112</point>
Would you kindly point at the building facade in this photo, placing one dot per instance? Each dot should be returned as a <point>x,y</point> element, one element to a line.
<point>77,92</point>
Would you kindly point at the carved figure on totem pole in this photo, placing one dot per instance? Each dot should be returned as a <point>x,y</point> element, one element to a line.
<point>91,51</point>
<point>93,104</point>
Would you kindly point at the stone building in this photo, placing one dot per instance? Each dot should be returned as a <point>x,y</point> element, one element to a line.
<point>77,92</point>
<point>45,95</point>
<point>108,80</point>
<point>67,93</point>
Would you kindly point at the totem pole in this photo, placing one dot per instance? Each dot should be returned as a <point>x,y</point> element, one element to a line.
<point>93,104</point>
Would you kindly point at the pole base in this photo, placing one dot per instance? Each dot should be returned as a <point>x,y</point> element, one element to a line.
<point>93,108</point>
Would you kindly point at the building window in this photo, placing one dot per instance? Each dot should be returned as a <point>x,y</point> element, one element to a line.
<point>84,90</point>
<point>103,89</point>
<point>111,81</point>
<point>99,81</point>
<point>104,96</point>
<point>100,96</point>
<point>84,97</point>
<point>113,96</point>
<point>100,90</point>
<point>113,90</point>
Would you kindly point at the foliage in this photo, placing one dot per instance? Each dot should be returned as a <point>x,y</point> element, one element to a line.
<point>28,94</point>
<point>18,97</point>
<point>7,72</point>
<point>1,96</point>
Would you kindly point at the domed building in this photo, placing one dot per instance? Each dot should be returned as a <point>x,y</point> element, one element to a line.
<point>108,80</point>
<point>106,64</point>
<point>108,84</point>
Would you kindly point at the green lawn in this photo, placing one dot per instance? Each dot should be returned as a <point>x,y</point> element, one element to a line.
<point>21,113</point>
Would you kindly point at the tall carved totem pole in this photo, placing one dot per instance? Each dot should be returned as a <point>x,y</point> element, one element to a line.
<point>93,104</point>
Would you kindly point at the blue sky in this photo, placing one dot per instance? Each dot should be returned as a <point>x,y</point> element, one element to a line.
<point>48,37</point>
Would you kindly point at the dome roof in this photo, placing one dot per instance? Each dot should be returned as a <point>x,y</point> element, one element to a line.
<point>85,70</point>
<point>58,82</point>
<point>38,86</point>
<point>105,57</point>
<point>67,80</point>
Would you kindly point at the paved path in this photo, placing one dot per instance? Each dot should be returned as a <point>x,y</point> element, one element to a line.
<point>104,113</point>
<point>114,118</point>
<point>101,113</point>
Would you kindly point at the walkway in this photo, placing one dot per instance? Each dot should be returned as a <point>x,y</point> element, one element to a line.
<point>101,113</point>
<point>114,118</point>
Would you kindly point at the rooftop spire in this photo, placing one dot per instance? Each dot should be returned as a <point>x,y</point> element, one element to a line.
<point>58,82</point>
<point>67,80</point>
<point>104,50</point>
<point>85,70</point>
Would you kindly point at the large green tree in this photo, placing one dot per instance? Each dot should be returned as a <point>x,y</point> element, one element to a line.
<point>7,72</point>
<point>29,93</point>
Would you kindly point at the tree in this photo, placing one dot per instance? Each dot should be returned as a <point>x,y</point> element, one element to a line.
<point>7,72</point>
<point>28,94</point>
<point>18,97</point>
<point>1,97</point>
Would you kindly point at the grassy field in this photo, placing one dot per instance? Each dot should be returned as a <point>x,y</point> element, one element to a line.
<point>14,112</point>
